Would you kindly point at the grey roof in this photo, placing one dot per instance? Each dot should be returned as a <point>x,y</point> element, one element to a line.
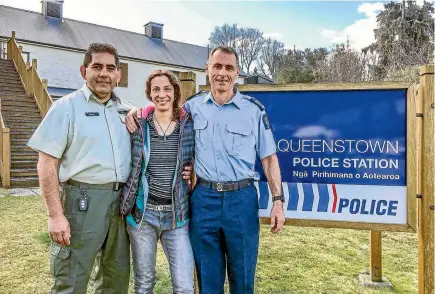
<point>34,27</point>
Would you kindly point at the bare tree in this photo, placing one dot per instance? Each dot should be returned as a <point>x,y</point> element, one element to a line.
<point>343,64</point>
<point>250,44</point>
<point>226,34</point>
<point>271,55</point>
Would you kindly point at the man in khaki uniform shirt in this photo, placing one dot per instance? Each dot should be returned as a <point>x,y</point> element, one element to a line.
<point>84,147</point>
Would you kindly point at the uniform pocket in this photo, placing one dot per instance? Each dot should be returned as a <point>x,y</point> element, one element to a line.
<point>58,259</point>
<point>200,126</point>
<point>122,118</point>
<point>239,139</point>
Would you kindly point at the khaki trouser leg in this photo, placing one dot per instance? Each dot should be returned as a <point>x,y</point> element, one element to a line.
<point>113,272</point>
<point>91,231</point>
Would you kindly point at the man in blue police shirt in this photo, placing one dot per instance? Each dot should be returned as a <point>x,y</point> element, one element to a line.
<point>231,129</point>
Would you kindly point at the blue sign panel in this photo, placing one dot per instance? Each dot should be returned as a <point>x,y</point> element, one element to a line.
<point>338,137</point>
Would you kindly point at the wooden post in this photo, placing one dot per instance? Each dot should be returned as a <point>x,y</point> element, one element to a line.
<point>27,77</point>
<point>426,226</point>
<point>188,88</point>
<point>188,85</point>
<point>35,63</point>
<point>6,154</point>
<point>32,76</point>
<point>376,256</point>
<point>13,35</point>
<point>44,102</point>
<point>413,159</point>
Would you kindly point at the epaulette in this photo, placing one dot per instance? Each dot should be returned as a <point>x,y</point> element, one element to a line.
<point>197,94</point>
<point>255,101</point>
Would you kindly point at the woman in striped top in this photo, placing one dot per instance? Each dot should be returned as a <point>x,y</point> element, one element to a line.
<point>155,198</point>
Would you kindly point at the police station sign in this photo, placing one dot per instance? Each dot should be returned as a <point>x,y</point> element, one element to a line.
<point>342,154</point>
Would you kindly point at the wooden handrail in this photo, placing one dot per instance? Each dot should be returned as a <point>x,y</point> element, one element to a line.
<point>33,83</point>
<point>33,86</point>
<point>5,153</point>
<point>2,167</point>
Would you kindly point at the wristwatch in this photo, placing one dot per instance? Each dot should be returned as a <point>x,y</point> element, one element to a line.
<point>279,197</point>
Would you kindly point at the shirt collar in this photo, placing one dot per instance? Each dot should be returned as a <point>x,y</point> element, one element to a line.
<point>88,94</point>
<point>236,100</point>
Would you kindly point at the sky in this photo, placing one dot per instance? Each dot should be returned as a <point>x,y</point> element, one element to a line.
<point>300,24</point>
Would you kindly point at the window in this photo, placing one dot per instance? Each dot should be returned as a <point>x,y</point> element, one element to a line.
<point>124,75</point>
<point>54,9</point>
<point>156,32</point>
<point>3,51</point>
<point>26,56</point>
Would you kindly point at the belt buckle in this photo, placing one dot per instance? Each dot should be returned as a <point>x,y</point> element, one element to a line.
<point>116,186</point>
<point>219,187</point>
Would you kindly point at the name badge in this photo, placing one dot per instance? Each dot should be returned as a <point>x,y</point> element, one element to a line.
<point>122,111</point>
<point>92,114</point>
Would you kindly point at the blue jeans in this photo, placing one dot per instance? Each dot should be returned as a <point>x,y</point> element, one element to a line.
<point>176,245</point>
<point>224,233</point>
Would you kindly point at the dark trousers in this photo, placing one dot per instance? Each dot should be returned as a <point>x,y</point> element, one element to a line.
<point>224,233</point>
<point>98,230</point>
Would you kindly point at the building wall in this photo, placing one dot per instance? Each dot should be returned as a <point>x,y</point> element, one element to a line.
<point>62,69</point>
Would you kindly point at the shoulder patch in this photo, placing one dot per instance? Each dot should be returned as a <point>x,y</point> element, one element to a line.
<point>255,101</point>
<point>197,94</point>
<point>266,122</point>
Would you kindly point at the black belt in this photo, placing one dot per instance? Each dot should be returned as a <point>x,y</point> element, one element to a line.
<point>116,186</point>
<point>226,186</point>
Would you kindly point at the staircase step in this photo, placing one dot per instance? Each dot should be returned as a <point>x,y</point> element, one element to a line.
<point>4,96</point>
<point>20,149</point>
<point>15,97</point>
<point>12,78</point>
<point>13,109</point>
<point>8,65</point>
<point>25,172</point>
<point>15,141</point>
<point>10,82</point>
<point>19,103</point>
<point>29,155</point>
<point>8,69</point>
<point>23,115</point>
<point>12,123</point>
<point>23,128</point>
<point>23,164</point>
<point>10,119</point>
<point>11,92</point>
<point>20,136</point>
<point>6,61</point>
<point>24,182</point>
<point>11,88</point>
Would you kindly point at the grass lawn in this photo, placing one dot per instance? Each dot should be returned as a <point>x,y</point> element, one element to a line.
<point>298,260</point>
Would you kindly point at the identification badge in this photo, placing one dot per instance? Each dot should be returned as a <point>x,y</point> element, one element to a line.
<point>92,114</point>
<point>122,111</point>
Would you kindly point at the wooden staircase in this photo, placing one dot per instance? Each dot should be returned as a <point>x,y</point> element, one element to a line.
<point>22,116</point>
